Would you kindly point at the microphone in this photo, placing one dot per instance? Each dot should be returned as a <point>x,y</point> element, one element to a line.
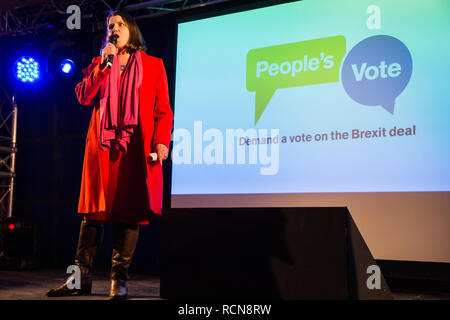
<point>153,156</point>
<point>112,39</point>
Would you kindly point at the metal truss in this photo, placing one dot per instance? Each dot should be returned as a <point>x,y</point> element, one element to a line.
<point>31,16</point>
<point>8,149</point>
<point>154,8</point>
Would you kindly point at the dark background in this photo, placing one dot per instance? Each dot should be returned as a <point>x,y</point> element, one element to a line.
<point>52,129</point>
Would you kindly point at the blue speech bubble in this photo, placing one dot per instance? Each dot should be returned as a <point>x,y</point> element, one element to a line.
<point>376,71</point>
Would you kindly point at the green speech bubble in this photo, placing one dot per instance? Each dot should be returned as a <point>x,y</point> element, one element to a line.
<point>292,65</point>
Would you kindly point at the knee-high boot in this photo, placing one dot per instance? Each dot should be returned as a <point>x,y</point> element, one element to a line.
<point>125,240</point>
<point>89,242</point>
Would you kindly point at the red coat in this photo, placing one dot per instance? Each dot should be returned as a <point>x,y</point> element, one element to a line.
<point>155,125</point>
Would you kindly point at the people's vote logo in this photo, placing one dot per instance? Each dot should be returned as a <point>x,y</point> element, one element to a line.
<point>376,71</point>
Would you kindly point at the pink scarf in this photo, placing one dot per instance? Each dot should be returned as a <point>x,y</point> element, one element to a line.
<point>119,104</point>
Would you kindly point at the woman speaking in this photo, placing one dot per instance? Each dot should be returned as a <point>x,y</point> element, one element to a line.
<point>127,142</point>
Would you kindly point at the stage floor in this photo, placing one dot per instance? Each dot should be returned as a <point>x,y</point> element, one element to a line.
<point>32,285</point>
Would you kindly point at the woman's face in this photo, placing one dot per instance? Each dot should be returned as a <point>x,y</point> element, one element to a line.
<point>117,26</point>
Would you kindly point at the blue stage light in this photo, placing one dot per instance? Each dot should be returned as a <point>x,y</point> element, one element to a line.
<point>27,69</point>
<point>67,66</point>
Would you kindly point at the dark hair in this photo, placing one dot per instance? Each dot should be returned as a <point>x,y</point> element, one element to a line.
<point>136,41</point>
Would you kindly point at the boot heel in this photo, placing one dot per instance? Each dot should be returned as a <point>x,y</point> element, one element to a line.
<point>86,289</point>
<point>119,290</point>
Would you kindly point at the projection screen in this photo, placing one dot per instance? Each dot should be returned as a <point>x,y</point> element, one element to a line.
<point>321,103</point>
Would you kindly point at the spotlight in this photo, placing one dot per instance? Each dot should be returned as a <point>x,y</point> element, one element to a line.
<point>67,66</point>
<point>27,69</point>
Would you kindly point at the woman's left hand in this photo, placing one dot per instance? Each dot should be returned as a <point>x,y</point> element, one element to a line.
<point>162,151</point>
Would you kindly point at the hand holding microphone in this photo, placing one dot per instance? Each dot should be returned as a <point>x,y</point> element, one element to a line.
<point>161,154</point>
<point>109,51</point>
